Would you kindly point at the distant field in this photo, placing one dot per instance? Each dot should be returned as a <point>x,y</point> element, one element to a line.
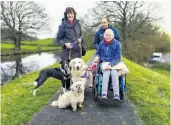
<point>42,41</point>
<point>9,48</point>
<point>25,47</point>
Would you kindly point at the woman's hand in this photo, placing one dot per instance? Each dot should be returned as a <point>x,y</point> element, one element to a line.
<point>68,45</point>
<point>79,40</point>
<point>108,67</point>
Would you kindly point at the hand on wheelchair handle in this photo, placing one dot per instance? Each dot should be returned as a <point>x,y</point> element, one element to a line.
<point>96,60</point>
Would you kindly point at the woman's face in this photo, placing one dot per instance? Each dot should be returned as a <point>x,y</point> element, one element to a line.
<point>108,36</point>
<point>70,16</point>
<point>104,23</point>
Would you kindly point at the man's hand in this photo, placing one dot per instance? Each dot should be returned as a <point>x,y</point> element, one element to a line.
<point>68,45</point>
<point>96,59</point>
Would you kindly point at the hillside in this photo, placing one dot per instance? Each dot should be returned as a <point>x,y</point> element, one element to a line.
<point>150,92</point>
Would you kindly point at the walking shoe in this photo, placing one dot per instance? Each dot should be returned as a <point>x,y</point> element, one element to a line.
<point>103,97</point>
<point>116,98</point>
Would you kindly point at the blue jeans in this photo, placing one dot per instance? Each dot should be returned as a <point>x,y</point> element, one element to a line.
<point>115,81</point>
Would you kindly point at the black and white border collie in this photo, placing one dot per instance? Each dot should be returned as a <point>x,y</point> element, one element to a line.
<point>62,73</point>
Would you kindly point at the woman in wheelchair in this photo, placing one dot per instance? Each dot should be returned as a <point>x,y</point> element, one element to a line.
<point>109,52</point>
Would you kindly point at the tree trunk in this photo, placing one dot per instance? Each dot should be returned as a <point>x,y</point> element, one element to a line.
<point>18,66</point>
<point>125,47</point>
<point>17,44</point>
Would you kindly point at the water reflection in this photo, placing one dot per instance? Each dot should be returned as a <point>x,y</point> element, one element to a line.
<point>18,65</point>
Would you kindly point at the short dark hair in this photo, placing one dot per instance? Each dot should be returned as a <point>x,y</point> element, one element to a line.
<point>69,10</point>
<point>105,17</point>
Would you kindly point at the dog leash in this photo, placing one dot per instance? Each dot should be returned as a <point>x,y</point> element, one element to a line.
<point>85,74</point>
<point>80,49</point>
<point>69,54</point>
<point>89,69</point>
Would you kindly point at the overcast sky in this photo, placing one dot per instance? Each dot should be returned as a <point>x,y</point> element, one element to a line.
<point>55,10</point>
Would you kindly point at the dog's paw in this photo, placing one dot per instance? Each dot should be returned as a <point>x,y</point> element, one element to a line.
<point>81,106</point>
<point>34,92</point>
<point>54,103</point>
<point>64,90</point>
<point>74,109</point>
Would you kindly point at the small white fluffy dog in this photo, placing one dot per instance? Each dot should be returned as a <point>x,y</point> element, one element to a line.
<point>79,72</point>
<point>73,97</point>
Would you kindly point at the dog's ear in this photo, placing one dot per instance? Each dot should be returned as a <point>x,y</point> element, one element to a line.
<point>85,67</point>
<point>72,87</point>
<point>71,63</point>
<point>82,62</point>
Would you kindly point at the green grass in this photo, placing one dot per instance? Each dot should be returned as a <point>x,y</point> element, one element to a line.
<point>163,68</point>
<point>25,47</point>
<point>6,46</point>
<point>36,42</point>
<point>18,103</point>
<point>9,48</point>
<point>147,89</point>
<point>40,42</point>
<point>161,71</point>
<point>29,46</point>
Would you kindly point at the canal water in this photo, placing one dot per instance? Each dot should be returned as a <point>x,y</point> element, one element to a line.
<point>15,66</point>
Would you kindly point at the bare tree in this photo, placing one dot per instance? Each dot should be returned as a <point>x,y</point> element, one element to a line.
<point>129,16</point>
<point>21,18</point>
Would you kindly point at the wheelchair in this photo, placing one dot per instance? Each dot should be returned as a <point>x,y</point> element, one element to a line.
<point>97,83</point>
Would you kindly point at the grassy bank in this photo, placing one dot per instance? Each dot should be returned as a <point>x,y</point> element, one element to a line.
<point>18,103</point>
<point>147,89</point>
<point>150,92</point>
<point>163,68</point>
<point>9,49</point>
<point>161,71</point>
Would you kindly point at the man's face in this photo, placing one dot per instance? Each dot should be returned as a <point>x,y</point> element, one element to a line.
<point>104,23</point>
<point>70,16</point>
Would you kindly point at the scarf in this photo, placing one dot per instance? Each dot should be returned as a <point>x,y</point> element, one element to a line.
<point>108,42</point>
<point>70,22</point>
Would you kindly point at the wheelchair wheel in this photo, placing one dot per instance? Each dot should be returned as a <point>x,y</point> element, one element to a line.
<point>95,93</point>
<point>122,87</point>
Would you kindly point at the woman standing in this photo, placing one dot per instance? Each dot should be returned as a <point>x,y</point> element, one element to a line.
<point>69,35</point>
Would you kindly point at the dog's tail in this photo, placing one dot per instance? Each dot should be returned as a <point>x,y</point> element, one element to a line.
<point>54,103</point>
<point>35,83</point>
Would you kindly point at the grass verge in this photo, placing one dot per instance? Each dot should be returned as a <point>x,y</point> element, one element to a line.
<point>149,91</point>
